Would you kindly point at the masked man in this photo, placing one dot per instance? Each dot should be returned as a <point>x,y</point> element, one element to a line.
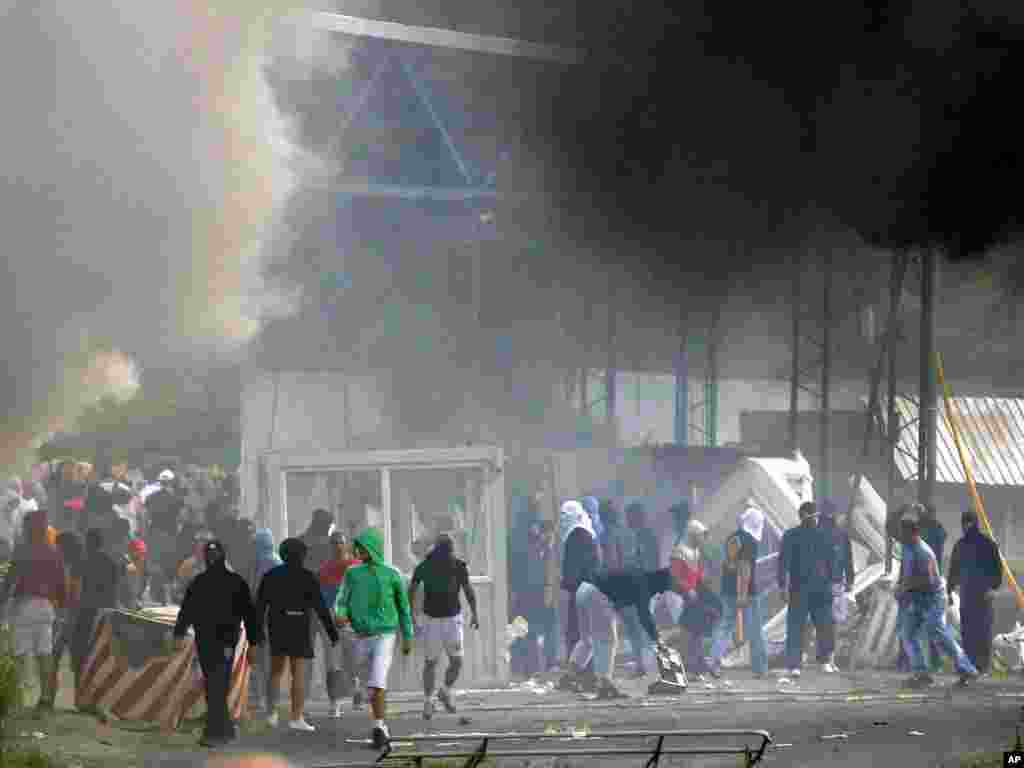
<point>975,569</point>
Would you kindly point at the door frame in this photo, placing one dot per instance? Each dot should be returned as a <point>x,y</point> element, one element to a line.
<point>488,458</point>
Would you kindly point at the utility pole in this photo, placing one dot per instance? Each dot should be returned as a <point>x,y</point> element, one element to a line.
<point>794,381</point>
<point>610,389</point>
<point>682,404</point>
<point>825,473</point>
<point>928,405</point>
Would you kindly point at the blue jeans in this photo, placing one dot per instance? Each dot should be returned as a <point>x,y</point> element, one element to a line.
<point>818,606</point>
<point>753,628</point>
<point>923,618</point>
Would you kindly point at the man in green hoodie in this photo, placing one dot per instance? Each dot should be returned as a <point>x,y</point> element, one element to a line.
<point>373,600</point>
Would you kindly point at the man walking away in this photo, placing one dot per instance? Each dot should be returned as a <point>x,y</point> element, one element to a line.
<point>921,585</point>
<point>934,535</point>
<point>833,526</point>
<point>373,600</point>
<point>264,560</point>
<point>581,555</point>
<point>319,550</point>
<point>216,603</point>
<point>740,595</point>
<point>101,582</point>
<point>975,569</point>
<point>805,581</point>
<point>37,581</point>
<point>287,598</point>
<point>69,545</point>
<point>163,513</point>
<point>443,576</point>
<point>340,665</point>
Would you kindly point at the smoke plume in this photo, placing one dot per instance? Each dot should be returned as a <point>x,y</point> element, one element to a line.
<point>147,173</point>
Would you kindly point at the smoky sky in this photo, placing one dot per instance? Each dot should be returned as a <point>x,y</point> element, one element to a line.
<point>145,169</point>
<point>727,117</point>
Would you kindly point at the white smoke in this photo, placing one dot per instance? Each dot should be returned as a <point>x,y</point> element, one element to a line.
<point>147,173</point>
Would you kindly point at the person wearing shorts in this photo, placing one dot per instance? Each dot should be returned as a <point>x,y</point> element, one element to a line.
<point>373,601</point>
<point>443,577</point>
<point>36,583</point>
<point>287,599</point>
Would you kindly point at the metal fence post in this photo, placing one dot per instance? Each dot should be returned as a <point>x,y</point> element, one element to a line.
<point>653,761</point>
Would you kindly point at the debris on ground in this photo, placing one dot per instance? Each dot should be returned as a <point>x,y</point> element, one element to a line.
<point>914,733</point>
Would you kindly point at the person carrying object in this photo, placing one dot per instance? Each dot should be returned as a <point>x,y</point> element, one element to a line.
<point>741,601</point>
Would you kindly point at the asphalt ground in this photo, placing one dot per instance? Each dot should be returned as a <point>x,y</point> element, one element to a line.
<point>823,720</point>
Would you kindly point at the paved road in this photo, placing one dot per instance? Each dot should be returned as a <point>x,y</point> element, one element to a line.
<point>874,722</point>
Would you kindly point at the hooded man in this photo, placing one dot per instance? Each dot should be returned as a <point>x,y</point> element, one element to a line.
<point>216,603</point>
<point>805,579</point>
<point>265,559</point>
<point>924,618</point>
<point>581,555</point>
<point>444,577</point>
<point>373,601</point>
<point>287,600</point>
<point>739,594</point>
<point>622,548</point>
<point>975,568</point>
<point>38,583</point>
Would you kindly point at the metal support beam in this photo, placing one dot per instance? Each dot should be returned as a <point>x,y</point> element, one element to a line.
<point>610,374</point>
<point>355,26</point>
<point>928,387</point>
<point>824,472</point>
<point>682,404</point>
<point>794,381</point>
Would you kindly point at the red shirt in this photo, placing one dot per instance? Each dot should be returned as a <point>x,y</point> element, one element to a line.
<point>40,573</point>
<point>689,576</point>
<point>333,572</point>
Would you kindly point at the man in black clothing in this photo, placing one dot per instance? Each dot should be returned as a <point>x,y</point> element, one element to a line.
<point>216,603</point>
<point>599,599</point>
<point>101,580</point>
<point>163,512</point>
<point>805,578</point>
<point>975,568</point>
<point>443,577</point>
<point>319,550</point>
<point>833,527</point>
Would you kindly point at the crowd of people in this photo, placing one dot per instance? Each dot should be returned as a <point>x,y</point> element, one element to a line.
<point>611,584</point>
<point>226,575</point>
<point>594,576</point>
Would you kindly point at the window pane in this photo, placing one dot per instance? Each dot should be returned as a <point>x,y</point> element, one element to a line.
<point>428,502</point>
<point>353,498</point>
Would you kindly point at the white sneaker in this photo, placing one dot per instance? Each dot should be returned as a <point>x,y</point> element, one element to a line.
<point>794,673</point>
<point>829,668</point>
<point>336,710</point>
<point>300,725</point>
<point>273,719</point>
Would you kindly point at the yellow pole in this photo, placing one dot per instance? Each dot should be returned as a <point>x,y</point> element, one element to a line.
<point>951,423</point>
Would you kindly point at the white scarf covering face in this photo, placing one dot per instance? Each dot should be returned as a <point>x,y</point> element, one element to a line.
<point>574,516</point>
<point>751,520</point>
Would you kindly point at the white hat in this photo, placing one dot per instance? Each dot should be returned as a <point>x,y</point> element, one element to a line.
<point>686,554</point>
<point>696,527</point>
<point>166,475</point>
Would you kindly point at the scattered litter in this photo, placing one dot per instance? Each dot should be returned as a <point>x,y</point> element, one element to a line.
<point>785,681</point>
<point>880,723</point>
<point>834,736</point>
<point>727,683</point>
<point>448,744</point>
<point>781,746</point>
<point>551,730</point>
<point>465,721</point>
<point>915,733</point>
<point>38,735</point>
